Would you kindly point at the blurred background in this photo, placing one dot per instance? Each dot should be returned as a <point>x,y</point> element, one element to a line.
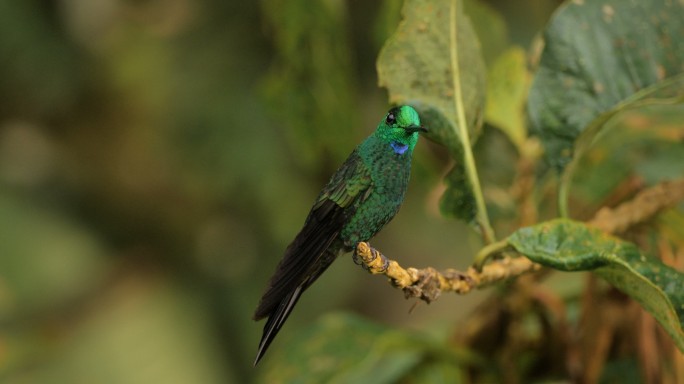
<point>156,158</point>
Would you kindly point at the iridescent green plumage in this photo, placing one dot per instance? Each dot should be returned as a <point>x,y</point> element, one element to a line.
<point>361,197</point>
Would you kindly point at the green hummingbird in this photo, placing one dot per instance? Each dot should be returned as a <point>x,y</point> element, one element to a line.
<point>361,197</point>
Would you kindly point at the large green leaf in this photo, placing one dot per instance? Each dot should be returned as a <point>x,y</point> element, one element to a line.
<point>415,66</point>
<point>572,246</point>
<point>599,58</point>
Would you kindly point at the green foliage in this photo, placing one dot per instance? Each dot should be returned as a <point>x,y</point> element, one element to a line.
<point>570,246</point>
<point>54,260</point>
<point>312,71</point>
<point>347,349</point>
<point>490,28</point>
<point>601,57</point>
<point>40,70</point>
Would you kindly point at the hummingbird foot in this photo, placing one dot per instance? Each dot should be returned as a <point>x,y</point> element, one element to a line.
<point>358,260</point>
<point>365,256</point>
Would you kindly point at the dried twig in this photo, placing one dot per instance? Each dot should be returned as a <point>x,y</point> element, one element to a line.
<point>644,206</point>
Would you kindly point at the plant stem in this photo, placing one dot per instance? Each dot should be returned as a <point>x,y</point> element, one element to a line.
<point>469,162</point>
<point>488,251</point>
<point>564,190</point>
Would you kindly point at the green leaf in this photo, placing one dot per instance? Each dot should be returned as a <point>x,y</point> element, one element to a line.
<point>599,58</point>
<point>506,94</point>
<point>342,348</point>
<point>572,246</point>
<point>416,68</point>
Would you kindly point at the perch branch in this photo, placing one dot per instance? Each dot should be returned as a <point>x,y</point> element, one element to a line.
<point>428,283</point>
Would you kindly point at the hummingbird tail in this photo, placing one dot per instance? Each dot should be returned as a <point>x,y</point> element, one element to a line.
<point>276,320</point>
<point>306,258</point>
<point>278,313</point>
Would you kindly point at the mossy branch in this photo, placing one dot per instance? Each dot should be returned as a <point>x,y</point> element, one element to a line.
<point>428,283</point>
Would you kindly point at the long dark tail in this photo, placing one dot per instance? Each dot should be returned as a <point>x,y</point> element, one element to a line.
<point>276,320</point>
<point>287,285</point>
<point>310,254</point>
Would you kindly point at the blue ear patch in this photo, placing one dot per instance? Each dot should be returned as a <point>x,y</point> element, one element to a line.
<point>399,148</point>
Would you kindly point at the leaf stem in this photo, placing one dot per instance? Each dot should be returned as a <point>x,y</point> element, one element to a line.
<point>564,190</point>
<point>487,252</point>
<point>469,162</point>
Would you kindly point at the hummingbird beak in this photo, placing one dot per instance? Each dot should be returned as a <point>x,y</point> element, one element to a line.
<point>415,128</point>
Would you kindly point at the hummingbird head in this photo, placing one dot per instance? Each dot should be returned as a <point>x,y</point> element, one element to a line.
<point>400,129</point>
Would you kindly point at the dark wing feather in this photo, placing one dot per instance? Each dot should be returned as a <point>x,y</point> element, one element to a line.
<point>319,231</point>
<point>315,247</point>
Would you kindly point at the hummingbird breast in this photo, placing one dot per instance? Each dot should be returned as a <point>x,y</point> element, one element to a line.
<point>390,172</point>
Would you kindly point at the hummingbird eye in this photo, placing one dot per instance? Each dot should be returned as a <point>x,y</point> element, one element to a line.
<point>391,119</point>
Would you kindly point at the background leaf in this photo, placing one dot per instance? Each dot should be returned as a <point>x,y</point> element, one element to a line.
<point>507,90</point>
<point>599,58</point>
<point>572,246</point>
<point>54,260</point>
<point>490,27</point>
<point>342,348</point>
<point>311,72</point>
<point>415,67</point>
<point>41,72</point>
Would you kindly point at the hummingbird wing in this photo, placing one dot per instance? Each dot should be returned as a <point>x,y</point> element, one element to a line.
<point>313,250</point>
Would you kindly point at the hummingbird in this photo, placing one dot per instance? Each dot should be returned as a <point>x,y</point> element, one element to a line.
<point>361,197</point>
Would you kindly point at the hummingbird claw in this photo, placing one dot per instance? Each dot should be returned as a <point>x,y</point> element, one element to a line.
<point>385,263</point>
<point>357,258</point>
